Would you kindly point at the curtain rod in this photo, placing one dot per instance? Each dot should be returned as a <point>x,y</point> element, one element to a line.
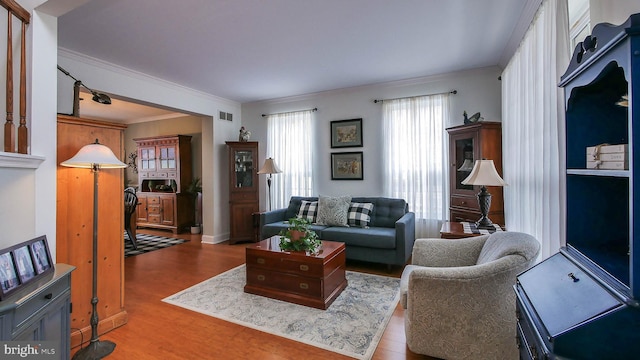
<point>408,97</point>
<point>289,112</point>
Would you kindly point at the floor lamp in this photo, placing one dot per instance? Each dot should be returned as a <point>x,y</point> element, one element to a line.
<point>484,173</point>
<point>95,157</point>
<point>269,168</point>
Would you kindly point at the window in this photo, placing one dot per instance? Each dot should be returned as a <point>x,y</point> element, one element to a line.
<point>289,143</point>
<point>415,157</point>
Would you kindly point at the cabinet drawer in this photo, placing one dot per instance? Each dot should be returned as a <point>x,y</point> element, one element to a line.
<point>285,282</point>
<point>31,306</point>
<point>154,218</point>
<point>464,216</point>
<point>155,209</point>
<point>172,175</point>
<point>284,265</point>
<point>465,202</point>
<point>153,200</point>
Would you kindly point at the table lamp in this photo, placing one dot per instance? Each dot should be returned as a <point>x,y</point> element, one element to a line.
<point>484,174</point>
<point>95,157</point>
<point>269,168</point>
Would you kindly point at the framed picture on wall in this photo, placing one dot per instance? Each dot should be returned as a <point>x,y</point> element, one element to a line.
<point>346,166</point>
<point>346,133</point>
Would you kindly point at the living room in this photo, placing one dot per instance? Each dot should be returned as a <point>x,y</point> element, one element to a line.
<point>479,90</point>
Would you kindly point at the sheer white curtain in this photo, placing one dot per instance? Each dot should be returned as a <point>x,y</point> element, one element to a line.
<point>415,157</point>
<point>289,144</point>
<point>533,129</point>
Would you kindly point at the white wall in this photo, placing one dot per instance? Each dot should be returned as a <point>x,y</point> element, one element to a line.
<point>124,83</point>
<point>28,196</point>
<point>478,90</point>
<point>614,12</point>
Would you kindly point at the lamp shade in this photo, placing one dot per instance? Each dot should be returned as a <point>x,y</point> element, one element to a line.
<point>484,173</point>
<point>269,167</point>
<point>94,155</point>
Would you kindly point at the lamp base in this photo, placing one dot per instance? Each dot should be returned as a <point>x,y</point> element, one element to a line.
<point>484,223</point>
<point>95,350</point>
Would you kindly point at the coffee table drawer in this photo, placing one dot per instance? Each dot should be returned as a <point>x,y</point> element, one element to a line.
<point>285,282</point>
<point>289,265</point>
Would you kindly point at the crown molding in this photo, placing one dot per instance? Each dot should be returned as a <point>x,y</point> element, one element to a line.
<point>79,57</point>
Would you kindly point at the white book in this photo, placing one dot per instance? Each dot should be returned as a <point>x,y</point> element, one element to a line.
<point>607,149</point>
<point>608,165</point>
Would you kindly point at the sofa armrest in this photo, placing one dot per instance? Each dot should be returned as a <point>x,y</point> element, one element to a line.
<point>448,252</point>
<point>405,237</point>
<point>269,217</point>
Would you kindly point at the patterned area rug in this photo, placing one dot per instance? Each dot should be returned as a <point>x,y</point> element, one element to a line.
<point>148,243</point>
<point>352,325</point>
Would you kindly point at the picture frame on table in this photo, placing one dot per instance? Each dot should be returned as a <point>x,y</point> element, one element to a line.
<point>9,281</point>
<point>347,166</point>
<point>42,261</point>
<point>346,133</point>
<point>24,263</point>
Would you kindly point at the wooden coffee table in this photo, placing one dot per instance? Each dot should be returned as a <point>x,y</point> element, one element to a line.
<point>297,277</point>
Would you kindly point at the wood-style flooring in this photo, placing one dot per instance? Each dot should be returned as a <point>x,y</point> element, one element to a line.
<point>157,330</point>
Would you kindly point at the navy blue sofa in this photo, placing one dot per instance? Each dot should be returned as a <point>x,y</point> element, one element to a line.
<point>388,239</point>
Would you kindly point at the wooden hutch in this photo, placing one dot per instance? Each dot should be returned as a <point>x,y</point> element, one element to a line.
<point>164,173</point>
<point>468,143</point>
<point>244,193</point>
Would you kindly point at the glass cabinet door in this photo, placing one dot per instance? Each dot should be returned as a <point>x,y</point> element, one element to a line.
<point>243,168</point>
<point>167,157</point>
<point>464,160</point>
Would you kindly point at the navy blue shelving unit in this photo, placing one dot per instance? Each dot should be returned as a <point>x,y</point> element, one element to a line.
<point>583,302</point>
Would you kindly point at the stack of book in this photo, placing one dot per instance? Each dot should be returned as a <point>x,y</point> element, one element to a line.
<point>609,157</point>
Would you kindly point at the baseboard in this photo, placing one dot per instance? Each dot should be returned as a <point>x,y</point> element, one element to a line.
<point>208,239</point>
<point>82,336</point>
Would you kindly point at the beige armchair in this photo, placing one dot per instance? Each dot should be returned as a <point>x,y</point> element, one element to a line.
<point>458,295</point>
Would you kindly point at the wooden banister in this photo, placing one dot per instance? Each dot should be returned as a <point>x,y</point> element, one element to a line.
<point>14,9</point>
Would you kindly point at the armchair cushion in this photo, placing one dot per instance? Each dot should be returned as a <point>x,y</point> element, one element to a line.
<point>502,244</point>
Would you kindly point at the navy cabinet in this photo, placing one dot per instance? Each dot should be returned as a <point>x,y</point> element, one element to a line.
<point>582,303</point>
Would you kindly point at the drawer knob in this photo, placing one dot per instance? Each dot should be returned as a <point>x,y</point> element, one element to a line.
<point>260,261</point>
<point>304,267</point>
<point>261,277</point>
<point>304,286</point>
<point>573,277</point>
<point>49,296</point>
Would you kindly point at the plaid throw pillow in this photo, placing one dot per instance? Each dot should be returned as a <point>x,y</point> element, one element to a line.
<point>360,214</point>
<point>308,210</point>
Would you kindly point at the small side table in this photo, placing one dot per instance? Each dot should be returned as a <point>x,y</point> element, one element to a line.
<point>454,230</point>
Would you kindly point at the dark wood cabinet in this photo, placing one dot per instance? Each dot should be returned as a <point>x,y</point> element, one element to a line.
<point>164,173</point>
<point>582,303</point>
<point>468,143</point>
<point>243,189</point>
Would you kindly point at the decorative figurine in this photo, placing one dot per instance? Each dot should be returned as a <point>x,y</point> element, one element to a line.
<point>466,119</point>
<point>244,135</point>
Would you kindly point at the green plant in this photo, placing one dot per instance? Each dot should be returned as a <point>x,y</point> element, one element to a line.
<point>299,236</point>
<point>193,189</point>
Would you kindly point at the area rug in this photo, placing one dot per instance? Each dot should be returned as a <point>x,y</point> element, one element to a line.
<point>352,325</point>
<point>148,243</point>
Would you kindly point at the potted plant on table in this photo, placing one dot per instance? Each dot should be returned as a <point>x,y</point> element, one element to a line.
<point>299,236</point>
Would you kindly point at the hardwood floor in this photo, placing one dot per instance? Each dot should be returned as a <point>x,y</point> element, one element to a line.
<point>157,330</point>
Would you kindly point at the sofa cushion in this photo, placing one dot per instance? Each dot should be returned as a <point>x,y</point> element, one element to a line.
<point>333,210</point>
<point>359,214</point>
<point>294,205</point>
<point>386,211</point>
<point>308,210</point>
<point>373,237</point>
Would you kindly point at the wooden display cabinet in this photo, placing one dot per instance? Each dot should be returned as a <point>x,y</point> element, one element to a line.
<point>164,172</point>
<point>468,143</point>
<point>243,190</point>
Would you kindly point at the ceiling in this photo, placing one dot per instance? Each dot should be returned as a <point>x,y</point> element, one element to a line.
<point>250,50</point>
